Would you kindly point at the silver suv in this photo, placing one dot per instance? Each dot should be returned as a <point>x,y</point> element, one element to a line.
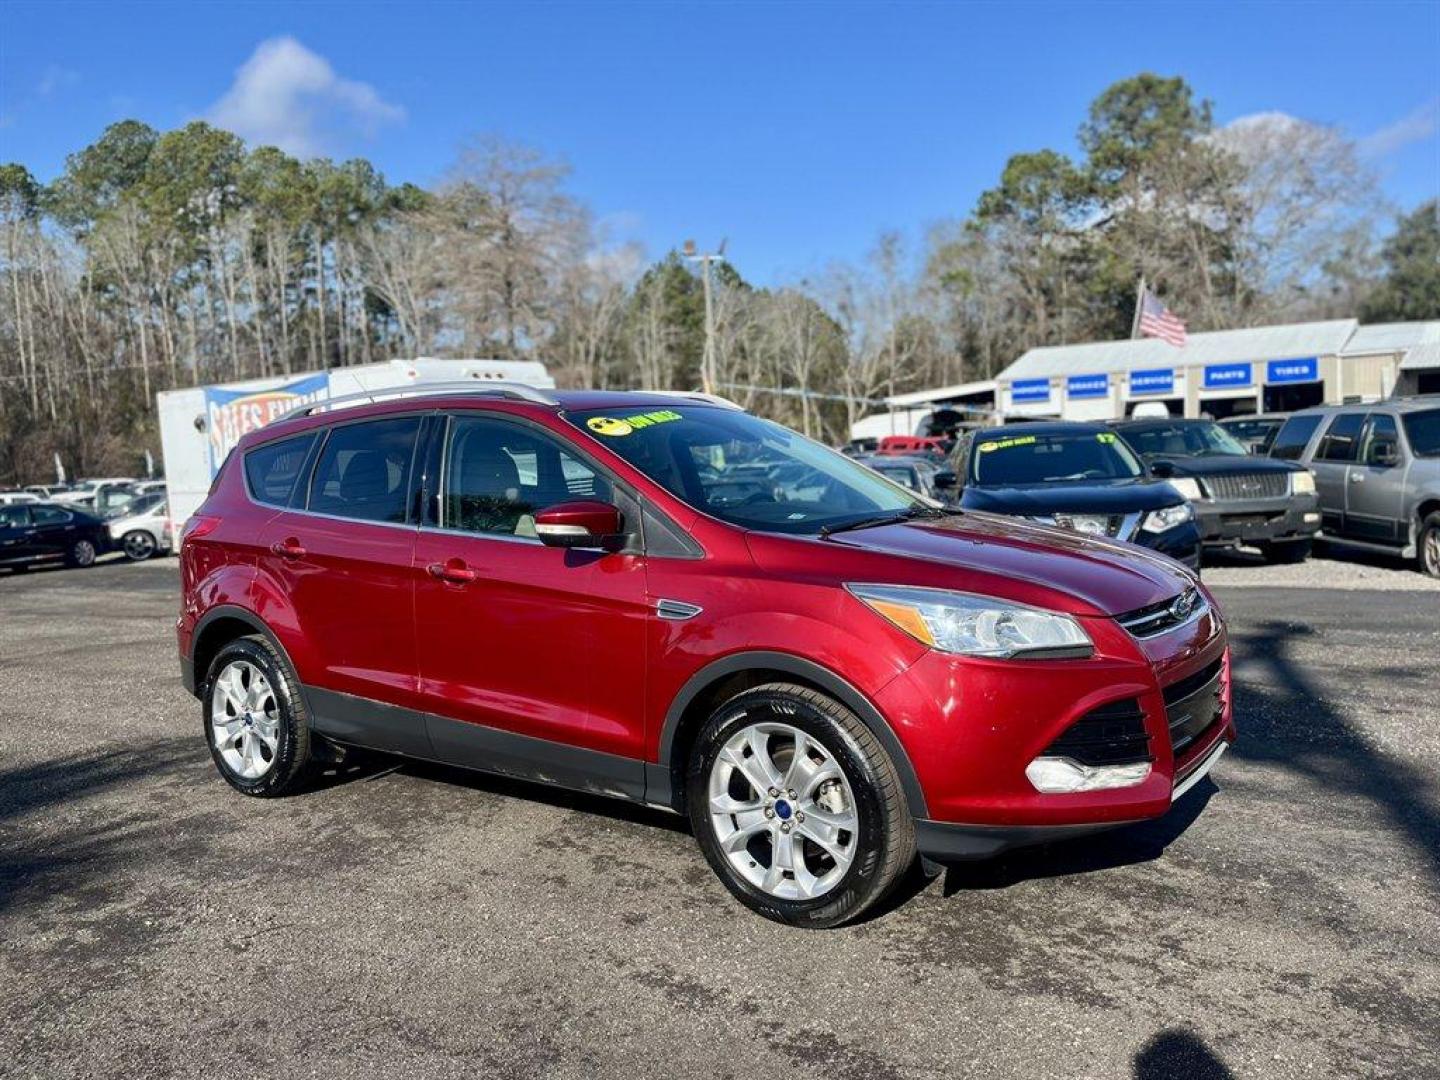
<point>1377,472</point>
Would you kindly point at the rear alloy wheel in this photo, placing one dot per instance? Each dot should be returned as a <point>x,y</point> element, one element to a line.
<point>255,720</point>
<point>81,554</point>
<point>138,545</point>
<point>797,807</point>
<point>1429,545</point>
<point>1286,551</point>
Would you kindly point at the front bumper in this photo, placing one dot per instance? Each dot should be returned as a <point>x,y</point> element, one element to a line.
<point>1253,521</point>
<point>971,727</point>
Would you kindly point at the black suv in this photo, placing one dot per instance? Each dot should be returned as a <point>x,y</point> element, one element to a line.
<point>1080,477</point>
<point>1238,498</point>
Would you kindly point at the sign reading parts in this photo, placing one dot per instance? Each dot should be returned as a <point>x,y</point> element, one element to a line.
<point>614,427</point>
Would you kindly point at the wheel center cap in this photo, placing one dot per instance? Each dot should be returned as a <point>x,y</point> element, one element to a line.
<point>782,810</point>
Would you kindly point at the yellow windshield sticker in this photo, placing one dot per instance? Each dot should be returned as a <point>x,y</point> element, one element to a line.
<point>1006,444</point>
<point>1106,436</point>
<point>614,427</point>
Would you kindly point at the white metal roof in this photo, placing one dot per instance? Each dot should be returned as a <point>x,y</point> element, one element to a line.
<point>942,393</point>
<point>1214,347</point>
<point>1392,337</point>
<point>1425,355</point>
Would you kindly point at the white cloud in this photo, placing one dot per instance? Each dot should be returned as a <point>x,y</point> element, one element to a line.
<point>1416,126</point>
<point>55,78</point>
<point>287,96</point>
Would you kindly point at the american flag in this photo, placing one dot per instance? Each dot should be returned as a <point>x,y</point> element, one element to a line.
<point>1157,321</point>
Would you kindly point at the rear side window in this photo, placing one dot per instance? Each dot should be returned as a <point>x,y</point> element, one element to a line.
<point>364,470</point>
<point>273,470</point>
<point>50,515</point>
<point>1341,437</point>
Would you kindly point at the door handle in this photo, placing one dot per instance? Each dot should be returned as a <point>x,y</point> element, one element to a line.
<point>455,571</point>
<point>1357,478</point>
<point>289,548</point>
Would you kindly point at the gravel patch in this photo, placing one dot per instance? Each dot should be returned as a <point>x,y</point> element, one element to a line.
<point>1323,570</point>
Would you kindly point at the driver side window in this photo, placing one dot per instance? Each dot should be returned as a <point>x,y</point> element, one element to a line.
<point>499,475</point>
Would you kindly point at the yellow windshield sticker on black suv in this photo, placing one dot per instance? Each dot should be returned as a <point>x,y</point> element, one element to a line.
<point>1006,444</point>
<point>1106,436</point>
<point>614,427</point>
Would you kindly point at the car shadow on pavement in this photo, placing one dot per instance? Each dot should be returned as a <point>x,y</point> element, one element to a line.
<point>45,784</point>
<point>1291,725</point>
<point>1176,1053</point>
<point>1122,846</point>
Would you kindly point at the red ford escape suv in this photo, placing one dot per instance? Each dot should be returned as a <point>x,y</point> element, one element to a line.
<point>665,599</point>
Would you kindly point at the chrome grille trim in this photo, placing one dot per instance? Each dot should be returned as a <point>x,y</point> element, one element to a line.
<point>1262,485</point>
<point>1156,619</point>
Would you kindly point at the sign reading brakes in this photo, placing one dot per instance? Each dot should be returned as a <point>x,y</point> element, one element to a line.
<point>614,427</point>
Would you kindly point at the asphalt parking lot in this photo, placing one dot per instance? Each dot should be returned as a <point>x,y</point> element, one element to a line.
<point>1283,921</point>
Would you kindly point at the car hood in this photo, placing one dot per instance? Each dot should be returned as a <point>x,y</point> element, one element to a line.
<point>1000,556</point>
<point>1042,500</point>
<point>1223,465</point>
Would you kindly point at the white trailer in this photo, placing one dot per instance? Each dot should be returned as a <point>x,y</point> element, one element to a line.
<point>200,425</point>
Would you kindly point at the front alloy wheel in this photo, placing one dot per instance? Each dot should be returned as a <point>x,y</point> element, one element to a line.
<point>782,811</point>
<point>797,806</point>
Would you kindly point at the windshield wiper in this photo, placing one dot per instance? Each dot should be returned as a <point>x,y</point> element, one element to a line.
<point>908,514</point>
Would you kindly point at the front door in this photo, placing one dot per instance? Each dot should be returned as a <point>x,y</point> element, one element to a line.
<point>1375,499</point>
<point>342,556</point>
<point>532,658</point>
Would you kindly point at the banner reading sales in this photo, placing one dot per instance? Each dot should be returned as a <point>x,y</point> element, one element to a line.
<point>231,413</point>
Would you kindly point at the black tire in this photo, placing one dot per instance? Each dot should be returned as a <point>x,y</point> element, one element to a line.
<point>289,764</point>
<point>1286,551</point>
<point>1428,544</point>
<point>885,840</point>
<point>138,545</point>
<point>82,554</point>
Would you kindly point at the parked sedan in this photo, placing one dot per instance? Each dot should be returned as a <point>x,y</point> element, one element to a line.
<point>1238,498</point>
<point>920,474</point>
<point>1078,476</point>
<point>145,528</point>
<point>40,532</point>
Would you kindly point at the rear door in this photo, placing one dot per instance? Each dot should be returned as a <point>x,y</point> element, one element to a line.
<point>1375,499</point>
<point>1338,447</point>
<point>341,556</point>
<point>54,530</point>
<point>517,639</point>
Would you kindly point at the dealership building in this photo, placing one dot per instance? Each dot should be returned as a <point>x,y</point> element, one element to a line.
<point>1225,372</point>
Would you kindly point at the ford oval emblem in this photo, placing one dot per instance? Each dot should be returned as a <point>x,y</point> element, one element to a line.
<point>1183,605</point>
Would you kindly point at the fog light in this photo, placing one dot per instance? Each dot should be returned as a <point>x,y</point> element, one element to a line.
<point>1311,516</point>
<point>1057,775</point>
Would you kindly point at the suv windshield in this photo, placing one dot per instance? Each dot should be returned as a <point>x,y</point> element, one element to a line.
<point>1423,431</point>
<point>1183,440</point>
<point>745,470</point>
<point>1046,459</point>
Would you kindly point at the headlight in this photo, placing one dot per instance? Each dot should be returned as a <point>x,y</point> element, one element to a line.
<point>1188,486</point>
<point>1157,521</point>
<point>1302,482</point>
<point>956,622</point>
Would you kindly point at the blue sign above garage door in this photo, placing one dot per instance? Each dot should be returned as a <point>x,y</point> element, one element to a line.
<point>1303,369</point>
<point>1087,386</point>
<point>1224,376</point>
<point>1030,390</point>
<point>1153,381</point>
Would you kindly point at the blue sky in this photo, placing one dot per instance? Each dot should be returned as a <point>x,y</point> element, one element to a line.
<point>797,131</point>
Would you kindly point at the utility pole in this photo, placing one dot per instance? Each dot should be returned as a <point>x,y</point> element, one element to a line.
<point>707,358</point>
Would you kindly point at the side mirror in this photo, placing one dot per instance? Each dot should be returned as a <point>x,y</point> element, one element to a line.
<point>1384,452</point>
<point>1163,469</point>
<point>947,479</point>
<point>584,523</point>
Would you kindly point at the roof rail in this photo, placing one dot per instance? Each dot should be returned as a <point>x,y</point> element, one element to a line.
<point>496,387</point>
<point>697,395</point>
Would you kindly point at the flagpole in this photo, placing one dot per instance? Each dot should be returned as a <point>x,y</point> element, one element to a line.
<point>1139,300</point>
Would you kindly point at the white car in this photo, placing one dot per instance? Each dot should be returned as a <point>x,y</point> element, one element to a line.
<point>145,528</point>
<point>15,498</point>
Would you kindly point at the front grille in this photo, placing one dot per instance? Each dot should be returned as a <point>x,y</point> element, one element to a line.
<point>1156,619</point>
<point>1193,704</point>
<point>1263,485</point>
<point>1113,734</point>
